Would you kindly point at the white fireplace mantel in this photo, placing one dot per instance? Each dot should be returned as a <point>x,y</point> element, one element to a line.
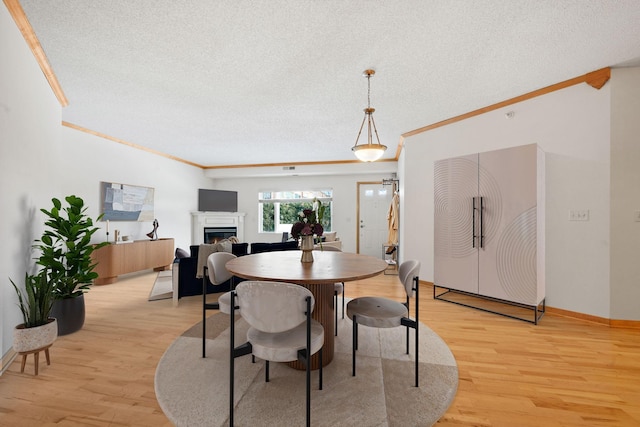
<point>200,220</point>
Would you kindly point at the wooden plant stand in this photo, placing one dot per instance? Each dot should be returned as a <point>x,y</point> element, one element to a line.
<point>36,357</point>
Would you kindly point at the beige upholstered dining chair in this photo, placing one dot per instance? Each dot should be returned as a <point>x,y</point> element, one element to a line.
<point>281,329</point>
<point>338,288</point>
<point>217,273</point>
<point>380,312</point>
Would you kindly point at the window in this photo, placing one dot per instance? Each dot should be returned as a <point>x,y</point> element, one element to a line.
<point>278,210</point>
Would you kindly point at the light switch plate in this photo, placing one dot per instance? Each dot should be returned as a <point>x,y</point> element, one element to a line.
<point>579,215</point>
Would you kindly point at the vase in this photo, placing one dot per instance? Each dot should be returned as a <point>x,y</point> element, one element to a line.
<point>29,339</point>
<point>70,313</point>
<point>306,245</point>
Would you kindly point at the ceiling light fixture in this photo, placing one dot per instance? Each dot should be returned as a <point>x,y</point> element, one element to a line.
<point>368,152</point>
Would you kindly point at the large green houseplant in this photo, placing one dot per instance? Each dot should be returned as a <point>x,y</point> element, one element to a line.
<point>65,251</point>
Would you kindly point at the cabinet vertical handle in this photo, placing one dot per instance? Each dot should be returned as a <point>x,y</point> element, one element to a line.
<point>481,222</point>
<point>473,223</point>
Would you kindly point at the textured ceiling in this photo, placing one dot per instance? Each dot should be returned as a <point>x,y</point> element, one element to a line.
<point>252,82</point>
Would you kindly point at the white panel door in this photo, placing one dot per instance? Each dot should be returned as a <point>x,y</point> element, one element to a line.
<point>373,230</point>
<point>455,248</point>
<point>508,256</point>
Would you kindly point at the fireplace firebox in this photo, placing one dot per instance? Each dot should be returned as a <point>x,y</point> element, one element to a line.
<point>200,221</point>
<point>215,234</point>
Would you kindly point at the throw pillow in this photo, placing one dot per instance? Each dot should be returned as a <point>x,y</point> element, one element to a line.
<point>330,236</point>
<point>224,246</point>
<point>181,253</point>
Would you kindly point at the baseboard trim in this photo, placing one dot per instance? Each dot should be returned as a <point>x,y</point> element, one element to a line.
<point>612,323</point>
<point>632,324</point>
<point>579,316</point>
<point>7,359</point>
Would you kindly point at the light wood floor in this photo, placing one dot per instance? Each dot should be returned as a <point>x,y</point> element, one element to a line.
<point>563,372</point>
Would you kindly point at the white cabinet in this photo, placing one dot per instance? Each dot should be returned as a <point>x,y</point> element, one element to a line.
<point>489,225</point>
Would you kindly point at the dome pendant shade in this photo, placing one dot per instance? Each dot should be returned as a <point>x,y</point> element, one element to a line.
<point>368,152</point>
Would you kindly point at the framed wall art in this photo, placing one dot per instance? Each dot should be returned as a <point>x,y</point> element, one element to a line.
<point>124,202</point>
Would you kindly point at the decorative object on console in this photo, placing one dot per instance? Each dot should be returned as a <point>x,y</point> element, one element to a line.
<point>153,235</point>
<point>369,152</point>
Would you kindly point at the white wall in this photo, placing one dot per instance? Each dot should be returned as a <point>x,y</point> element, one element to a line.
<point>40,159</point>
<point>625,194</point>
<point>572,126</point>
<point>345,192</point>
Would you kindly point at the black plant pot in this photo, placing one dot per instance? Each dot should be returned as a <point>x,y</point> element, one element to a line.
<point>70,314</point>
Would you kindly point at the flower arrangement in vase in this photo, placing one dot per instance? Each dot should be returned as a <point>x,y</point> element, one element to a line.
<point>308,226</point>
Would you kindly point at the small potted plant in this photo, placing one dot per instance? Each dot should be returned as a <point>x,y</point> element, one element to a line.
<point>38,329</point>
<point>65,251</point>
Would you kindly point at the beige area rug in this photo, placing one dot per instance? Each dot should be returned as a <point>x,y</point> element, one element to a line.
<point>162,287</point>
<point>193,391</point>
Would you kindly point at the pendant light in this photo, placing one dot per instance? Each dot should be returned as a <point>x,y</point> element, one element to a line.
<point>368,152</point>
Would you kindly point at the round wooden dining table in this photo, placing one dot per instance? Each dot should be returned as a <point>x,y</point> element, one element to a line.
<point>318,276</point>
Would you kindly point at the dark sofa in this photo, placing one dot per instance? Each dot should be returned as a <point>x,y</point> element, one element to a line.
<point>270,247</point>
<point>189,284</point>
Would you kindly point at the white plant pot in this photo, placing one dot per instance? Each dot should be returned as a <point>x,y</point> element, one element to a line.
<point>28,339</point>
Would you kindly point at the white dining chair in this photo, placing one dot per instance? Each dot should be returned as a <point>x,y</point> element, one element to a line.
<point>281,329</point>
<point>217,273</point>
<point>338,288</point>
<point>378,312</point>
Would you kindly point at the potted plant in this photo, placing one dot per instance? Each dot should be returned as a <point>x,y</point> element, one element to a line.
<point>38,329</point>
<point>66,249</point>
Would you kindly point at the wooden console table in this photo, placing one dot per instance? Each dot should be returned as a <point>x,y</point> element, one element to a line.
<point>116,259</point>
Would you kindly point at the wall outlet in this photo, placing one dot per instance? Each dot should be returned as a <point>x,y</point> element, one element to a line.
<point>579,215</point>
<point>636,216</point>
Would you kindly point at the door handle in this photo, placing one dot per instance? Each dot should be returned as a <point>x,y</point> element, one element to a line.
<point>481,222</point>
<point>473,222</point>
